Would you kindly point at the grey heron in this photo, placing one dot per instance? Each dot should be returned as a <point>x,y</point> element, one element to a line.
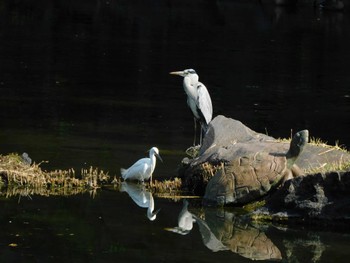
<point>198,99</point>
<point>143,169</point>
<point>185,221</point>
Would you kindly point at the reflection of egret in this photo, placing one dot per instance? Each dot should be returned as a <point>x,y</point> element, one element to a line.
<point>198,99</point>
<point>185,221</point>
<point>141,197</point>
<point>143,168</point>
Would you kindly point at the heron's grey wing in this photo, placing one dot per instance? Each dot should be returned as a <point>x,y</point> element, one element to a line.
<point>204,102</point>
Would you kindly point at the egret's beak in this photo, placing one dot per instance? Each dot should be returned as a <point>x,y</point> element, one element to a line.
<point>179,73</point>
<point>156,212</point>
<point>153,216</point>
<point>158,156</point>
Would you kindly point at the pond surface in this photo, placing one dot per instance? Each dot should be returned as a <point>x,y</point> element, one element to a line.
<point>86,83</point>
<point>114,227</point>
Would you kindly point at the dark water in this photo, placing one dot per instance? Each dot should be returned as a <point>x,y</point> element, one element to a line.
<point>86,83</point>
<point>112,228</point>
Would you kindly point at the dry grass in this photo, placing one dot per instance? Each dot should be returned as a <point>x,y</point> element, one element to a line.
<point>208,170</point>
<point>340,165</point>
<point>16,173</point>
<point>166,186</point>
<point>329,167</point>
<point>17,178</point>
<point>319,142</point>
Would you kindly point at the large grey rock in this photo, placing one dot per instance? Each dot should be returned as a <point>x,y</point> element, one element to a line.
<point>249,177</point>
<point>228,140</point>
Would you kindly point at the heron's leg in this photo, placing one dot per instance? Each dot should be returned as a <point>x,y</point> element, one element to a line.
<point>201,136</point>
<point>195,131</point>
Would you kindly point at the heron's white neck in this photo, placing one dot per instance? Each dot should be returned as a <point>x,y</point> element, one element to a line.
<point>190,85</point>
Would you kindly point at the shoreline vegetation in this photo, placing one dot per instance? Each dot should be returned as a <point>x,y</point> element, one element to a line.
<point>18,177</point>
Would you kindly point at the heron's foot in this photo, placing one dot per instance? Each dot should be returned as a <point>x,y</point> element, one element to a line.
<point>193,151</point>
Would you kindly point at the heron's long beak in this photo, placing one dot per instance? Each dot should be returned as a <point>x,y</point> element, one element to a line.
<point>158,156</point>
<point>179,73</point>
<point>177,230</point>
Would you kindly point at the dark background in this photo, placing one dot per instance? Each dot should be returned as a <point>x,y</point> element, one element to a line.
<point>87,82</point>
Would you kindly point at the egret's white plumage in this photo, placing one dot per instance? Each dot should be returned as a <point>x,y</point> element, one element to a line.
<point>198,98</point>
<point>143,169</point>
<point>141,197</point>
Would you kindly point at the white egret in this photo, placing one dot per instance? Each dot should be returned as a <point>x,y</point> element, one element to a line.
<point>143,169</point>
<point>141,197</point>
<point>185,221</point>
<point>198,99</point>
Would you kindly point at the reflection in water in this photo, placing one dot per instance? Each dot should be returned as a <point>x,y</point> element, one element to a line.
<point>228,233</point>
<point>312,244</point>
<point>209,239</point>
<point>185,221</point>
<point>142,197</point>
<point>27,192</point>
<point>239,237</point>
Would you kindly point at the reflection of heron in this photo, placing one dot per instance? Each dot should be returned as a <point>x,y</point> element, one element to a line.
<point>198,99</point>
<point>185,221</point>
<point>141,197</point>
<point>227,232</point>
<point>209,239</point>
<point>143,168</point>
